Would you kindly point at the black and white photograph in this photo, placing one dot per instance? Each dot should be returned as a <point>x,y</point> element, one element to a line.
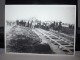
<point>40,29</point>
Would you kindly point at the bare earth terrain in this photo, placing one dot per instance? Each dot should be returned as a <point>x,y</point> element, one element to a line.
<point>59,43</point>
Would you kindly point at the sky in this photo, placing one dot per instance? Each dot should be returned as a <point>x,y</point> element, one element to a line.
<point>64,13</point>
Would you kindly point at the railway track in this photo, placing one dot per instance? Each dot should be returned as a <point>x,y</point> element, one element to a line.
<point>58,44</point>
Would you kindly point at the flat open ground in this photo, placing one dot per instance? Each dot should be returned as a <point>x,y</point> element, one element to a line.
<point>59,43</point>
